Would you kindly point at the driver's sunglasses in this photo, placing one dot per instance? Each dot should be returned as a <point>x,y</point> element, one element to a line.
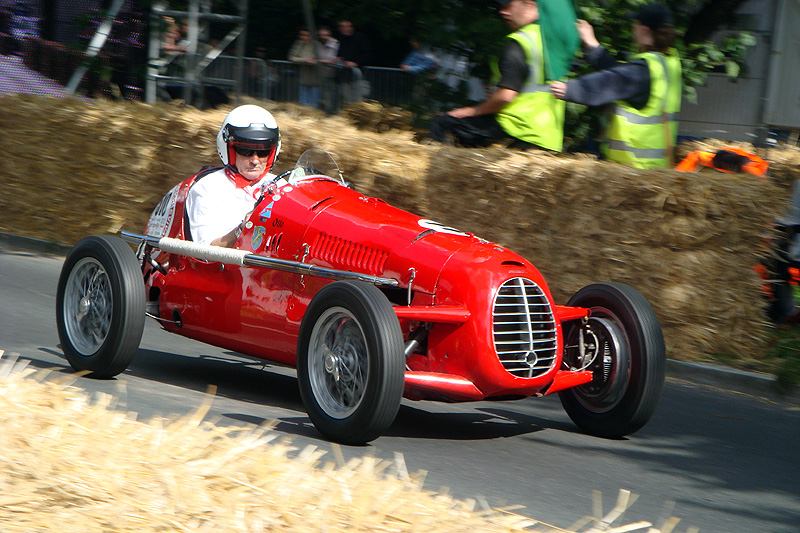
<point>248,152</point>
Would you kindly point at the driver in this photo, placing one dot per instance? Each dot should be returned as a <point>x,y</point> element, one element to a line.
<point>219,204</point>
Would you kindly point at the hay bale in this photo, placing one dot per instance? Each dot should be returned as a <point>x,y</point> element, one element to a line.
<point>373,116</point>
<point>686,241</point>
<point>69,463</point>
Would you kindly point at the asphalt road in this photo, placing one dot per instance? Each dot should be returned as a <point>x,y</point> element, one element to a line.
<point>720,461</point>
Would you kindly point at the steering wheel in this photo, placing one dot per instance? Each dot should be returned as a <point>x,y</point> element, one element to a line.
<point>283,175</point>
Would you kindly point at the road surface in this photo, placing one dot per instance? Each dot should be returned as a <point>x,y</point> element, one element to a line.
<point>720,461</point>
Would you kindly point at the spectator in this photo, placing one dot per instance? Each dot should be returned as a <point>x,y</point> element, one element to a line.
<point>304,54</point>
<point>261,76</point>
<point>647,90</point>
<point>171,40</point>
<point>419,59</point>
<point>521,107</point>
<point>354,53</point>
<point>328,56</point>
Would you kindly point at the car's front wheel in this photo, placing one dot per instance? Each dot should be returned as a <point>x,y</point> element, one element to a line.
<point>100,306</point>
<point>350,362</point>
<point>623,345</point>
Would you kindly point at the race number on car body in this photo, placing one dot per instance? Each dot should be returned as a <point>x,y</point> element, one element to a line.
<point>160,221</point>
<point>441,228</point>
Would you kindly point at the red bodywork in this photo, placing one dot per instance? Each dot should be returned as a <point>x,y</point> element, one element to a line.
<point>454,279</point>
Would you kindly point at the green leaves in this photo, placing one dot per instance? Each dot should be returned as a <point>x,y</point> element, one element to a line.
<point>698,59</point>
<point>612,25</point>
<point>473,28</point>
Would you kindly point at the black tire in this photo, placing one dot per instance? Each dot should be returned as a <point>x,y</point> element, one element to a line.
<point>351,362</point>
<point>629,370</point>
<point>100,306</point>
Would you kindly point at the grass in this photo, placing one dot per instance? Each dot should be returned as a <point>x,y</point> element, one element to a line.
<point>781,358</point>
<point>784,353</point>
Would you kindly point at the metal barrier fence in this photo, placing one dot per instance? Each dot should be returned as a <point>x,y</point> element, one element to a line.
<point>278,80</point>
<point>219,77</point>
<point>386,85</point>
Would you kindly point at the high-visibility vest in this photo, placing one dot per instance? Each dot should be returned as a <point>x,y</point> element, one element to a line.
<point>729,159</point>
<point>535,115</point>
<point>643,138</point>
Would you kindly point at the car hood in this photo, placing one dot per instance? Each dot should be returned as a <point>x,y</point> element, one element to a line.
<point>355,232</point>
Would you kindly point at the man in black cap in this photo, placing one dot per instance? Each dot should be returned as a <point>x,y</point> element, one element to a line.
<point>647,90</point>
<point>521,107</point>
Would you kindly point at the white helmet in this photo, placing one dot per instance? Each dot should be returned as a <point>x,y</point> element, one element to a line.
<point>248,127</point>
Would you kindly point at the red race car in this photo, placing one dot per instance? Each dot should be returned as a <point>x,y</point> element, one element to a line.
<point>370,303</point>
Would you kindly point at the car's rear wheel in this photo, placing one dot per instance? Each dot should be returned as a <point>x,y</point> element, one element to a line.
<point>350,362</point>
<point>623,346</point>
<point>100,306</point>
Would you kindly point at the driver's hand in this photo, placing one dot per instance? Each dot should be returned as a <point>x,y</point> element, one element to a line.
<point>242,225</point>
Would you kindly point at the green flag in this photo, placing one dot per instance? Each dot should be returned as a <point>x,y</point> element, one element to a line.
<point>561,40</point>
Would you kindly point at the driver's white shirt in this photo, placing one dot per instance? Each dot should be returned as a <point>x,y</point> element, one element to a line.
<point>215,206</point>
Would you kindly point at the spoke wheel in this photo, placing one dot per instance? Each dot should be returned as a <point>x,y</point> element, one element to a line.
<point>623,346</point>
<point>350,362</point>
<point>88,305</point>
<point>100,305</point>
<point>338,373</point>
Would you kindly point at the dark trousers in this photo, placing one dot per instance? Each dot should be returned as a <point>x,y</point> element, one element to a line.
<point>470,132</point>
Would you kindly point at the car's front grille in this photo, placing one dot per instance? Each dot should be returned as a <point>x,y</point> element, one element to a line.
<point>524,329</point>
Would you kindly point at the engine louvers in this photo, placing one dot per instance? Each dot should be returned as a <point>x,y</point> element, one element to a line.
<point>348,255</point>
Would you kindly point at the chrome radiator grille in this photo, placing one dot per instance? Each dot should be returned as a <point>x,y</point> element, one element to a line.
<point>524,329</point>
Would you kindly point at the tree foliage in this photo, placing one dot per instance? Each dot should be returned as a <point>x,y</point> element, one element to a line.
<point>695,22</point>
<point>696,19</point>
<point>472,28</point>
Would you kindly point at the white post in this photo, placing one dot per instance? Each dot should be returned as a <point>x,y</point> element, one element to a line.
<point>154,52</point>
<point>95,45</point>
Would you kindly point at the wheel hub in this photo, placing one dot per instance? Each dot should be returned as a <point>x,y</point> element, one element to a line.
<point>338,371</point>
<point>332,365</point>
<point>84,306</point>
<point>88,306</point>
<point>602,349</point>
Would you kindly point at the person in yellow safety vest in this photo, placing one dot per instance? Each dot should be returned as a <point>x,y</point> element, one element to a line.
<point>522,107</point>
<point>647,90</point>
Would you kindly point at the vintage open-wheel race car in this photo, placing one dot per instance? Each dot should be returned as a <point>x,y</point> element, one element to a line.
<point>370,304</point>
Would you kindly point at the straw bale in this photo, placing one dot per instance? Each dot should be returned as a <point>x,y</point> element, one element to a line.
<point>374,116</point>
<point>686,241</point>
<point>72,463</point>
